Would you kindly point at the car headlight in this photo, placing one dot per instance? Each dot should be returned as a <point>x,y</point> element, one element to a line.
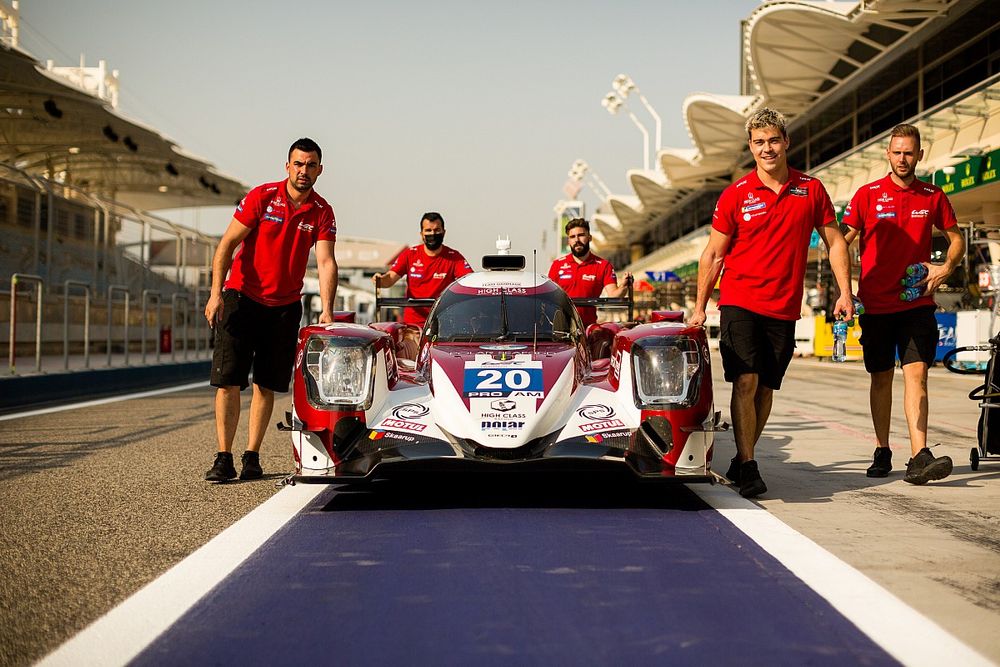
<point>664,371</point>
<point>341,370</point>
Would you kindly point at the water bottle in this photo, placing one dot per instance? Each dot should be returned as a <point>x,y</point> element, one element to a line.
<point>840,340</point>
<point>914,274</point>
<point>859,309</point>
<point>910,293</point>
<point>916,271</point>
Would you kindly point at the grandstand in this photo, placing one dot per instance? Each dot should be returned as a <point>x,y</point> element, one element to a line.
<point>844,73</point>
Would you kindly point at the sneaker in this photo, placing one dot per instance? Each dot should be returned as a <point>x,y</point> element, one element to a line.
<point>733,474</point>
<point>222,469</point>
<point>923,467</point>
<point>751,485</point>
<point>251,466</point>
<point>881,463</point>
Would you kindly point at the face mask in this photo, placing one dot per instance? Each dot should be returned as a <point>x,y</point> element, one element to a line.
<point>433,241</point>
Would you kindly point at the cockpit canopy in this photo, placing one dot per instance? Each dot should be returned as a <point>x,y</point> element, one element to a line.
<point>543,313</point>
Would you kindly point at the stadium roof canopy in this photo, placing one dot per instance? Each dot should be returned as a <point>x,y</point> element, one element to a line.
<point>54,129</point>
<point>796,53</point>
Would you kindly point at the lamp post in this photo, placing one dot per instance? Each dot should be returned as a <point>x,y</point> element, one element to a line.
<point>578,172</point>
<point>613,103</point>
<point>624,85</point>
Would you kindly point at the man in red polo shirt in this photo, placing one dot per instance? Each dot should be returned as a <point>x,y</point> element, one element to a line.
<point>581,273</point>
<point>894,217</point>
<point>256,317</point>
<point>429,268</point>
<point>760,242</point>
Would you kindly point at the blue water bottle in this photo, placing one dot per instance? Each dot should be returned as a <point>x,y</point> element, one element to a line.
<point>914,274</point>
<point>859,309</point>
<point>840,340</point>
<point>910,293</point>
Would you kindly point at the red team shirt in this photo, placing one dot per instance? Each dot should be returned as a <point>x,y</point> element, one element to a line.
<point>271,261</point>
<point>426,276</point>
<point>895,227</point>
<point>769,236</point>
<point>583,280</point>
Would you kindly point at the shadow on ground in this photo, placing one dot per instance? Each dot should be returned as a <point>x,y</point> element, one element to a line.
<point>514,490</point>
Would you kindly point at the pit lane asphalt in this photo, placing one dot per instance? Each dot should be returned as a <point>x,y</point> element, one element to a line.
<point>98,501</point>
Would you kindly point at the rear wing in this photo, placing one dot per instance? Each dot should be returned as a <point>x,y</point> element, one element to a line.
<point>611,302</point>
<point>382,303</point>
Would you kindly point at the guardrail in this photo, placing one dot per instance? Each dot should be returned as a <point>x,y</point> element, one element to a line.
<point>86,322</point>
<point>146,295</point>
<point>13,318</point>
<point>111,291</point>
<point>174,299</point>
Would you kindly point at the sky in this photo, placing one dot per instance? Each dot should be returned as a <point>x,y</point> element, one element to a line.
<point>474,109</point>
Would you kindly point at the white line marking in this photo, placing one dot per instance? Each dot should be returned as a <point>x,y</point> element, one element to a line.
<point>122,633</point>
<point>102,401</point>
<point>887,620</point>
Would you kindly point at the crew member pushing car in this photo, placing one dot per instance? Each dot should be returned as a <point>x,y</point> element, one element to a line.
<point>582,274</point>
<point>428,267</point>
<point>256,317</point>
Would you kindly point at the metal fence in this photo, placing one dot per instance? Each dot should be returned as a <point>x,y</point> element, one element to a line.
<point>85,277</point>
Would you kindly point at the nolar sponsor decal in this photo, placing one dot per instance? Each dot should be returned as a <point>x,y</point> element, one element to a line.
<point>604,425</point>
<point>502,425</point>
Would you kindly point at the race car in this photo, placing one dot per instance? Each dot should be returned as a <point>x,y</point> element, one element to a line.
<point>502,377</point>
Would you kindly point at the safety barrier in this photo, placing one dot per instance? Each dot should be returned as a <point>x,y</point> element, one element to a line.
<point>86,322</point>
<point>64,326</point>
<point>13,319</point>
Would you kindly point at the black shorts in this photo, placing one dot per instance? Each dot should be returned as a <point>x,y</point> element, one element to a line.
<point>752,343</point>
<point>258,336</point>
<point>912,334</point>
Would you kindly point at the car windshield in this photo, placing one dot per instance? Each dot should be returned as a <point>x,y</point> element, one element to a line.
<point>503,317</point>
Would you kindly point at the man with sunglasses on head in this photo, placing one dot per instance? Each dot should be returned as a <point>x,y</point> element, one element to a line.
<point>429,268</point>
<point>759,242</point>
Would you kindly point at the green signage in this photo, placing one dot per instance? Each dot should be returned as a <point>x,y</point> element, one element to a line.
<point>989,168</point>
<point>973,172</point>
<point>966,175</point>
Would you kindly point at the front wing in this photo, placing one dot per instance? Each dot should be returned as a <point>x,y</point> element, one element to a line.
<point>364,454</point>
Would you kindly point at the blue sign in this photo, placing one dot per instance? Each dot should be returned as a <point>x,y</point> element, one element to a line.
<point>946,323</point>
<point>663,276</point>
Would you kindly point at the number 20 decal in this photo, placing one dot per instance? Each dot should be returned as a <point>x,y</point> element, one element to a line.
<point>502,379</point>
<point>517,378</point>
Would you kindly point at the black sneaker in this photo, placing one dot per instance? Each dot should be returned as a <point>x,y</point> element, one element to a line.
<point>751,485</point>
<point>223,468</point>
<point>251,466</point>
<point>924,468</point>
<point>733,474</point>
<point>881,463</point>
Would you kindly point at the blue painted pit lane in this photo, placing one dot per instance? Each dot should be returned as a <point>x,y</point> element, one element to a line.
<point>526,574</point>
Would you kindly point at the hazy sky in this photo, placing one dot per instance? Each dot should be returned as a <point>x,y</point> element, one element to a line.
<point>473,109</point>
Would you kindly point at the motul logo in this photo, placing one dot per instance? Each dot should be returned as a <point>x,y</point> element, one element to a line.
<point>605,425</point>
<point>403,426</point>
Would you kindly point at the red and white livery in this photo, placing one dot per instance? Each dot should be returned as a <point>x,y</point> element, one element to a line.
<point>504,377</point>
